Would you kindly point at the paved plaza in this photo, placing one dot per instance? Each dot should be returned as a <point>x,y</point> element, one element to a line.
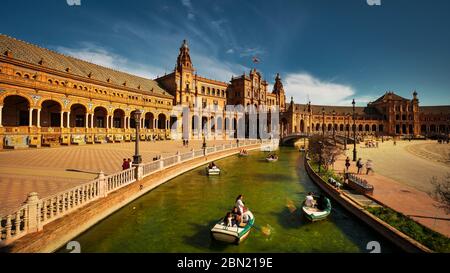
<point>402,178</point>
<point>50,170</point>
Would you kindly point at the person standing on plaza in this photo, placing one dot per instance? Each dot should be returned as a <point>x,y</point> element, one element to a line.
<point>124,164</point>
<point>359,165</point>
<point>130,163</point>
<point>347,163</point>
<point>369,167</point>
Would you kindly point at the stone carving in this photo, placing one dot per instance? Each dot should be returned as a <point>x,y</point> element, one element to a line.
<point>66,102</point>
<point>36,99</point>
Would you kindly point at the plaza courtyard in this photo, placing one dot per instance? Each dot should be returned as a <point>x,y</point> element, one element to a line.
<point>50,170</point>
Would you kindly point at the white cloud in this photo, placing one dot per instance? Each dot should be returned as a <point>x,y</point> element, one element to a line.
<point>303,86</point>
<point>190,8</point>
<point>251,52</point>
<point>98,55</point>
<point>230,51</point>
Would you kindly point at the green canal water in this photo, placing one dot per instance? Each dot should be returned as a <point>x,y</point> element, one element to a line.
<point>177,216</point>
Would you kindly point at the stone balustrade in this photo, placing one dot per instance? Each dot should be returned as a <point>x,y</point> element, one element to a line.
<point>36,212</point>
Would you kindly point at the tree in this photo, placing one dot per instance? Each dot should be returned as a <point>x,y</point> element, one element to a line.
<point>323,151</point>
<point>441,192</point>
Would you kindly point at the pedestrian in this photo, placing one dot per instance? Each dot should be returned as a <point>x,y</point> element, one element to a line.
<point>347,163</point>
<point>369,167</point>
<point>124,164</point>
<point>395,142</point>
<point>359,165</point>
<point>187,142</point>
<point>130,163</point>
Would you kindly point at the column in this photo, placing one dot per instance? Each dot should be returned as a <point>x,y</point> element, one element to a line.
<point>30,117</point>
<point>124,122</point>
<point>39,118</point>
<point>86,121</point>
<point>1,112</point>
<point>156,124</point>
<point>92,121</point>
<point>62,120</point>
<point>68,119</point>
<point>107,122</point>
<point>128,122</point>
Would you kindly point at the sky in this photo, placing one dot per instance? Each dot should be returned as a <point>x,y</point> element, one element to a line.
<point>326,51</point>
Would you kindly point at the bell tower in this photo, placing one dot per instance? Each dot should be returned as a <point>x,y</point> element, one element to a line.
<point>278,90</point>
<point>185,75</point>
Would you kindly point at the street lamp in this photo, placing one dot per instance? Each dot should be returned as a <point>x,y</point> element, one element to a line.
<point>334,127</point>
<point>323,122</point>
<point>137,159</point>
<point>347,130</point>
<point>354,132</point>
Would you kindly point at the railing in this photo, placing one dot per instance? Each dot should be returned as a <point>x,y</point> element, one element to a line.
<point>121,179</point>
<point>36,213</point>
<point>14,226</point>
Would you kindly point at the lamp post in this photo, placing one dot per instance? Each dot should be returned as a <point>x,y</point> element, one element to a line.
<point>334,127</point>
<point>354,132</point>
<point>347,130</point>
<point>323,122</point>
<point>137,159</point>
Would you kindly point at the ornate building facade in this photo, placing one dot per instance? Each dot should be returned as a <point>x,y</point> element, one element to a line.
<point>49,99</point>
<point>389,115</point>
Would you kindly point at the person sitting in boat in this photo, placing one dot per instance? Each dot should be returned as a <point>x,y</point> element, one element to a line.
<point>229,220</point>
<point>310,202</point>
<point>212,165</point>
<point>236,215</point>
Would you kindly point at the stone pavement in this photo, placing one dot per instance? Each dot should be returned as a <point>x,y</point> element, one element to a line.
<point>47,170</point>
<point>408,193</point>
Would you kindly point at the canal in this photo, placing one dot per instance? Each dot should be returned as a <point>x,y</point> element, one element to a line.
<point>177,216</point>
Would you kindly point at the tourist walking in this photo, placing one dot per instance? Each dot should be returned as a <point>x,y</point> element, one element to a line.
<point>369,167</point>
<point>359,165</point>
<point>347,163</point>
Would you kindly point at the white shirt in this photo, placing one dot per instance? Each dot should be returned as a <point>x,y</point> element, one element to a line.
<point>240,205</point>
<point>309,201</point>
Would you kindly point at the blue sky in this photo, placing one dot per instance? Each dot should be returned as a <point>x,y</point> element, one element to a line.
<point>327,50</point>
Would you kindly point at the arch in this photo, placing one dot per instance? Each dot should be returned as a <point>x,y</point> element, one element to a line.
<point>77,115</point>
<point>433,128</point>
<point>318,127</point>
<point>341,127</point>
<point>162,121</point>
<point>380,128</point>
<point>212,122</point>
<point>374,128</point>
<point>330,127</point>
<point>50,113</point>
<point>360,128</point>
<point>302,126</point>
<point>149,120</point>
<point>313,126</point>
<point>219,123</point>
<point>204,125</point>
<point>227,125</point>
<point>195,123</point>
<point>367,128</point>
<point>118,118</point>
<point>100,115</point>
<point>15,111</point>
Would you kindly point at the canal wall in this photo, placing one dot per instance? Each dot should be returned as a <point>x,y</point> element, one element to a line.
<point>398,238</point>
<point>59,219</point>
